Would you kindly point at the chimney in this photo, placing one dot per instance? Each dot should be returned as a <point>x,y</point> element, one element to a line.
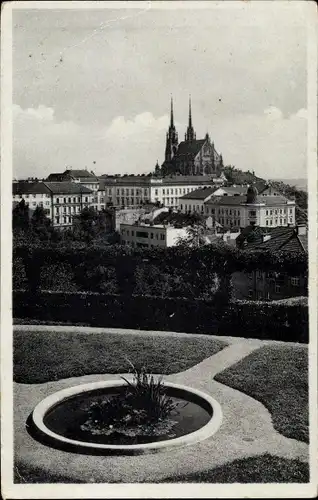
<point>301,229</point>
<point>266,237</point>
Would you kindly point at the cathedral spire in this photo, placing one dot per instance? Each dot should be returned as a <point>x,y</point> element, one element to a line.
<point>172,137</point>
<point>190,135</point>
<point>171,114</point>
<point>190,114</point>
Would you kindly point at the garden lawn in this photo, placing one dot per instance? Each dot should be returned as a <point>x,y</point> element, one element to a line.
<point>262,469</point>
<point>277,376</point>
<point>47,356</point>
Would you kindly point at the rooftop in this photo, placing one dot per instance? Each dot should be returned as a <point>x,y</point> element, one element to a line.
<point>287,239</point>
<point>79,173</point>
<point>29,188</point>
<point>67,188</point>
<point>241,200</point>
<point>199,194</point>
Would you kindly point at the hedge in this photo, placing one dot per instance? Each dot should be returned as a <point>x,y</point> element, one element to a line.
<point>266,320</point>
<point>249,319</point>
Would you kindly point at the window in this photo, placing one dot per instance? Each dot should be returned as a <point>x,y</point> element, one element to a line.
<point>266,212</point>
<point>250,275</point>
<point>259,274</point>
<point>57,220</point>
<point>151,236</point>
<point>163,191</point>
<point>64,220</point>
<point>181,206</point>
<point>252,213</point>
<point>162,236</point>
<point>70,200</point>
<point>64,200</point>
<point>132,233</point>
<point>295,281</point>
<point>277,288</point>
<point>141,234</point>
<point>267,223</point>
<point>156,192</point>
<point>156,236</point>
<point>47,203</point>
<point>250,293</point>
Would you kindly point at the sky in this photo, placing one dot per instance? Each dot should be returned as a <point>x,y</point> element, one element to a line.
<point>92,87</point>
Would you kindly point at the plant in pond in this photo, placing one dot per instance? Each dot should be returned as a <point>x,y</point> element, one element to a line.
<point>143,408</point>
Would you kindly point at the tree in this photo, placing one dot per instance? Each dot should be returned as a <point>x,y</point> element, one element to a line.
<point>20,216</point>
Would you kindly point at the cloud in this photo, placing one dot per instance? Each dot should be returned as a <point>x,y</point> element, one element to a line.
<point>271,144</point>
<point>42,144</point>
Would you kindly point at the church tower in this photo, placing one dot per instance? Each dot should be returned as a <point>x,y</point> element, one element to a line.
<point>190,134</point>
<point>172,138</point>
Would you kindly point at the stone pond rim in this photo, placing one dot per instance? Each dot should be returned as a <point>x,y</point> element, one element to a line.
<point>53,439</point>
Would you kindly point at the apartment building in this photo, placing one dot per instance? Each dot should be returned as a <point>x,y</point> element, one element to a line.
<point>241,211</point>
<point>83,177</point>
<point>271,285</point>
<point>133,191</point>
<point>142,235</point>
<point>34,194</point>
<point>60,200</point>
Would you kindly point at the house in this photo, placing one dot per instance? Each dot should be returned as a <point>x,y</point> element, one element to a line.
<point>60,200</point>
<point>241,211</point>
<point>271,285</point>
<point>194,200</point>
<point>148,236</point>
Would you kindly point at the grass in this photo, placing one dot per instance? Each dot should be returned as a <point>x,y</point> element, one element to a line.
<point>48,356</point>
<point>261,469</point>
<point>277,376</point>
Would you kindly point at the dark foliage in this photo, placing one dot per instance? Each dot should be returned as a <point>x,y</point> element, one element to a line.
<point>285,322</point>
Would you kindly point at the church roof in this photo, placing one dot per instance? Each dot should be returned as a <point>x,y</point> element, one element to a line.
<point>190,149</point>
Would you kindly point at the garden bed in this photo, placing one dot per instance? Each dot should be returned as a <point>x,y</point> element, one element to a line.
<point>277,376</point>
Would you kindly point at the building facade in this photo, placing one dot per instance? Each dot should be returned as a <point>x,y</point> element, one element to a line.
<point>241,211</point>
<point>60,200</point>
<point>134,191</point>
<point>149,236</point>
<point>271,285</point>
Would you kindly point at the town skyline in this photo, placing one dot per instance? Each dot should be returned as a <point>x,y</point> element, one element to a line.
<point>93,91</point>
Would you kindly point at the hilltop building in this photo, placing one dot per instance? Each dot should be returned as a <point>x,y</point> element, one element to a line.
<point>189,157</point>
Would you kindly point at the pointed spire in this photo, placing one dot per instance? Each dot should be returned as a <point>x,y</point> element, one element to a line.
<point>171,114</point>
<point>190,113</point>
<point>190,132</point>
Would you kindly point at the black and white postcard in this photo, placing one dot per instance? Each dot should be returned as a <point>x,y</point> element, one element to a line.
<point>159,249</point>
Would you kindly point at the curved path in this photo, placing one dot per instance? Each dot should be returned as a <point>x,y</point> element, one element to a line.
<point>246,430</point>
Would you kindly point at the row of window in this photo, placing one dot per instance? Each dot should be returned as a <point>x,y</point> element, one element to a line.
<point>63,220</point>
<point>282,222</point>
<point>75,199</point>
<point>280,211</point>
<point>294,280</point>
<point>38,195</point>
<point>144,234</point>
<point>137,244</point>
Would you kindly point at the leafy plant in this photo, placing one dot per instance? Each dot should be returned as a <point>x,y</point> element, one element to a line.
<point>142,406</point>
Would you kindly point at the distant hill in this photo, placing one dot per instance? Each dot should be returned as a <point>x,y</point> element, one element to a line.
<point>300,183</point>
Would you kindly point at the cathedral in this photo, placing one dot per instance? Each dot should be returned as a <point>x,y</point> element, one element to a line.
<point>189,157</point>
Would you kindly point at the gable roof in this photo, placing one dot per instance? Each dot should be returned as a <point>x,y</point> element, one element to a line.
<point>199,194</point>
<point>189,149</point>
<point>58,177</point>
<point>67,188</point>
<point>79,173</point>
<point>281,238</point>
<point>29,188</point>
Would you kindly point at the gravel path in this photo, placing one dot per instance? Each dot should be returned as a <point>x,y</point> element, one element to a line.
<point>246,429</point>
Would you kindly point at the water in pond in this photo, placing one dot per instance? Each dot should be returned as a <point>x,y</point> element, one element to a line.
<point>67,418</point>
